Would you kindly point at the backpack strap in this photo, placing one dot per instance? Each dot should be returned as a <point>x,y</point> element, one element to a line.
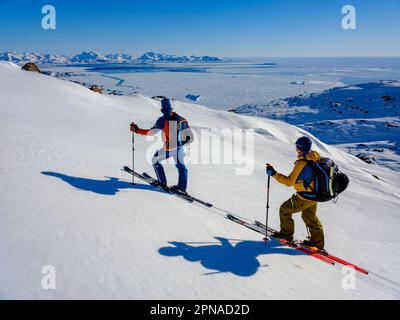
<point>182,124</point>
<point>312,165</point>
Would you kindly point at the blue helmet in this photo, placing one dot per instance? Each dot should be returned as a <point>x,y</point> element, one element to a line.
<point>304,144</point>
<point>166,107</point>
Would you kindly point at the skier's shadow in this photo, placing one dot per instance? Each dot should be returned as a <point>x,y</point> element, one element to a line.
<point>239,259</point>
<point>110,186</point>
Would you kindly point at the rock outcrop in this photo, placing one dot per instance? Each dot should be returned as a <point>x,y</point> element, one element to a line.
<point>30,66</point>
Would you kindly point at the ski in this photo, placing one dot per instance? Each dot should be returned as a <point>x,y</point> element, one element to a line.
<point>138,175</point>
<point>324,253</point>
<point>204,203</point>
<point>306,250</point>
<point>245,223</point>
<point>261,230</point>
<point>186,195</point>
<point>342,261</point>
<point>155,183</point>
<point>149,179</point>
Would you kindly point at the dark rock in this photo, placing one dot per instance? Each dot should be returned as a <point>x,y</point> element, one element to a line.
<point>392,125</point>
<point>30,66</point>
<point>388,98</point>
<point>96,89</point>
<point>366,158</point>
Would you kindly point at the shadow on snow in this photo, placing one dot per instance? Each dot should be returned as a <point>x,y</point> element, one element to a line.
<point>110,186</point>
<point>223,256</point>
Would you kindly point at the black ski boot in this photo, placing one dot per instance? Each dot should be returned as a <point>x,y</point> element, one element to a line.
<point>279,235</point>
<point>177,188</point>
<point>162,185</point>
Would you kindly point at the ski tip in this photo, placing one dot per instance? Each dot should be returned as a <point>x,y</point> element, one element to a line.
<point>361,270</point>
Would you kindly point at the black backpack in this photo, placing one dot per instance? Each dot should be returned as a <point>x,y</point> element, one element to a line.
<point>329,182</point>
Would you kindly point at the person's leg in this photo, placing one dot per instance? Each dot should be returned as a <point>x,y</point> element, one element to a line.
<point>179,158</point>
<point>287,209</point>
<point>287,223</point>
<point>313,223</point>
<point>159,156</point>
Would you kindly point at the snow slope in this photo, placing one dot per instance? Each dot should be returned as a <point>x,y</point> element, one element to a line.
<point>65,203</point>
<point>362,119</point>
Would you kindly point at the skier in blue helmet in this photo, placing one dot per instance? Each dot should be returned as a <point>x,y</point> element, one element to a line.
<point>175,134</point>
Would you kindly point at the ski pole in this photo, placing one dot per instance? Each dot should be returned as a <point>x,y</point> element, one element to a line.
<point>133,156</point>
<point>267,209</point>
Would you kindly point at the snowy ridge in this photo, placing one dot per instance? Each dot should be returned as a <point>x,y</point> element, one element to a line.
<point>162,57</point>
<point>92,57</point>
<point>66,203</point>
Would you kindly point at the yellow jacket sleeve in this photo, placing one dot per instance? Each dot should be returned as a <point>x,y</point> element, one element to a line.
<point>292,178</point>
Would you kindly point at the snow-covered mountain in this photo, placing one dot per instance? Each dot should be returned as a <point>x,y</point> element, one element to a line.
<point>20,58</point>
<point>162,57</point>
<point>53,59</point>
<point>88,57</point>
<point>92,57</point>
<point>65,203</point>
<point>120,58</point>
<point>11,56</point>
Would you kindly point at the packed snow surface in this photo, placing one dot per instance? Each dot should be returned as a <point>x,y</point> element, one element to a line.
<point>66,203</point>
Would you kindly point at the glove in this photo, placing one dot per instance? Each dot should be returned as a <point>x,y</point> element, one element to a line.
<point>134,127</point>
<point>270,170</point>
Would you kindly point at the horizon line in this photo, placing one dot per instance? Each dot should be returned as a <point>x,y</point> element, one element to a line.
<point>212,55</point>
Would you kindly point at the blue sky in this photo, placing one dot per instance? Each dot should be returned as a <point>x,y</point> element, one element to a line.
<point>226,28</point>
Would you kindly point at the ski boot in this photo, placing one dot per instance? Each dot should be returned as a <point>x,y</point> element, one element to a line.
<point>162,185</point>
<point>312,246</point>
<point>178,189</point>
<point>281,236</point>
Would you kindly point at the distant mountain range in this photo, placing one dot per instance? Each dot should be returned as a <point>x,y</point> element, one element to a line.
<point>97,58</point>
<point>161,57</point>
